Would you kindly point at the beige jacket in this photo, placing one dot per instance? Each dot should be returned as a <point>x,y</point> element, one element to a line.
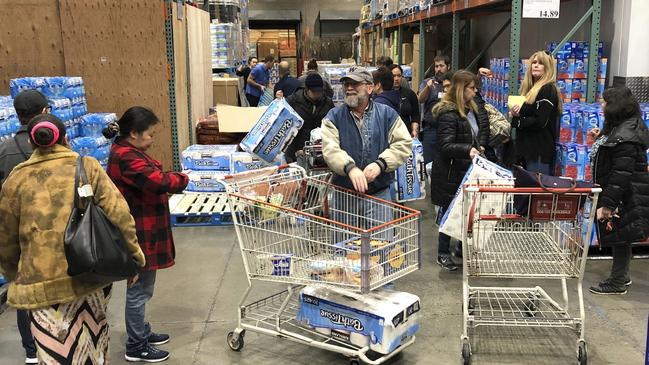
<point>35,204</point>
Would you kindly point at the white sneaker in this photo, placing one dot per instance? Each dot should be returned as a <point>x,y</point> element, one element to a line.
<point>31,360</point>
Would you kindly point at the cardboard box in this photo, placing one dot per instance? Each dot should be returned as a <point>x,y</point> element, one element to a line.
<point>225,91</point>
<point>234,119</point>
<point>406,53</point>
<point>267,47</point>
<point>416,67</point>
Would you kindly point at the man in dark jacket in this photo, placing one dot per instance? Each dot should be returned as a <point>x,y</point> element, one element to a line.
<point>287,84</point>
<point>312,69</point>
<point>383,89</point>
<point>431,91</point>
<point>312,105</point>
<point>28,104</point>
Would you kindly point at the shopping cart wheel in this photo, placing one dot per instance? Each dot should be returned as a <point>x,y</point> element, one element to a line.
<point>582,353</point>
<point>466,352</point>
<point>235,341</point>
<point>354,361</point>
<point>532,305</point>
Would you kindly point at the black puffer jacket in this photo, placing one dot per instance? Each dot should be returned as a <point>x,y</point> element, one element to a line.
<point>311,113</point>
<point>454,142</point>
<point>621,171</point>
<point>537,128</point>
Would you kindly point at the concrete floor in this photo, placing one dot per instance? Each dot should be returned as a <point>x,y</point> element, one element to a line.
<point>195,302</point>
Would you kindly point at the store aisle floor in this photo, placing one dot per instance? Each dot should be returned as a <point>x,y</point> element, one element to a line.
<point>195,302</point>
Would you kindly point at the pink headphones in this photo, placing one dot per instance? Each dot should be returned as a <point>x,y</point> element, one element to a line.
<point>50,126</point>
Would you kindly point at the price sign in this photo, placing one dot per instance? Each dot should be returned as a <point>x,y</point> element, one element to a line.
<point>548,9</point>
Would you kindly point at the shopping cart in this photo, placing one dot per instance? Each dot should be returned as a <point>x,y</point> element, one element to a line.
<point>312,159</point>
<point>301,230</point>
<point>525,233</point>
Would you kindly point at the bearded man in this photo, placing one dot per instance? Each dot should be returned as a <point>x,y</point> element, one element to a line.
<point>364,142</point>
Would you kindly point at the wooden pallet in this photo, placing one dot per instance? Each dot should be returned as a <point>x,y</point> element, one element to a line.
<point>200,209</point>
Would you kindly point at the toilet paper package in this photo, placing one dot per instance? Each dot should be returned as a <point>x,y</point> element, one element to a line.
<point>273,132</point>
<point>244,161</point>
<point>208,157</point>
<point>205,181</point>
<point>382,319</point>
<point>410,180</point>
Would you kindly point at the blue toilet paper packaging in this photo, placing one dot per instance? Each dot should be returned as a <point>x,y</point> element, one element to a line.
<point>382,319</point>
<point>273,132</point>
<point>208,157</point>
<point>410,179</point>
<point>244,161</point>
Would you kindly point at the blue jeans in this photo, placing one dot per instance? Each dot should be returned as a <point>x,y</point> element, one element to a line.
<point>443,241</point>
<point>429,139</point>
<point>364,213</point>
<point>25,329</point>
<point>137,329</point>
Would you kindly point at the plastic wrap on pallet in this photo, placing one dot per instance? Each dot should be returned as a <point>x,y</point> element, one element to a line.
<point>9,123</point>
<point>208,157</point>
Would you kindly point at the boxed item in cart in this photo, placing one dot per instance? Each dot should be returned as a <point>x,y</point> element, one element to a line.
<point>273,132</point>
<point>275,265</point>
<point>344,270</point>
<point>389,255</point>
<point>205,181</point>
<point>409,182</point>
<point>382,319</point>
<point>208,157</point>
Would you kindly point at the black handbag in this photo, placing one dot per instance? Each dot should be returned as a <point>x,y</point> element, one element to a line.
<point>564,207</point>
<point>95,248</point>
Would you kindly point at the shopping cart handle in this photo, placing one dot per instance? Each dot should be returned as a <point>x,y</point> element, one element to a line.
<point>513,190</point>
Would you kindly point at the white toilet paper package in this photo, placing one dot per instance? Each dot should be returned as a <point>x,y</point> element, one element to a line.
<point>273,132</point>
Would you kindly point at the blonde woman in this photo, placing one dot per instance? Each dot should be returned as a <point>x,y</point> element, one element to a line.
<point>461,136</point>
<point>536,121</point>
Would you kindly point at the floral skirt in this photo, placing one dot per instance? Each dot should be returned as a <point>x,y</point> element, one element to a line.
<point>73,333</point>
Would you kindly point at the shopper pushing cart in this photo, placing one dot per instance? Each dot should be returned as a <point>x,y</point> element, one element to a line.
<point>306,233</point>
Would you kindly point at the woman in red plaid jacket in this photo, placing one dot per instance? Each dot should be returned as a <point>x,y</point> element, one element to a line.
<point>145,186</point>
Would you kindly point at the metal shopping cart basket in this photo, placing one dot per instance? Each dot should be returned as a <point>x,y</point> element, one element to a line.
<point>312,159</point>
<point>525,233</point>
<point>301,230</point>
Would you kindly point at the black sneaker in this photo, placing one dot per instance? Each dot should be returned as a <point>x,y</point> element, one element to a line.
<point>147,354</point>
<point>157,339</point>
<point>607,289</point>
<point>446,263</point>
<point>627,282</point>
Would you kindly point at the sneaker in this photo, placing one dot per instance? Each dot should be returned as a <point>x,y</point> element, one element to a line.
<point>31,360</point>
<point>607,289</point>
<point>147,354</point>
<point>157,339</point>
<point>627,282</point>
<point>446,263</point>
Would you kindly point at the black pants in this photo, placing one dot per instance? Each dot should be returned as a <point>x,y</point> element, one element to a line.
<point>24,327</point>
<point>252,100</point>
<point>622,255</point>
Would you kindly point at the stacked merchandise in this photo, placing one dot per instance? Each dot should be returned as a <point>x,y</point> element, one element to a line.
<point>226,44</point>
<point>495,89</point>
<point>366,12</point>
<point>67,101</point>
<point>376,9</point>
<point>407,7</point>
<point>334,72</point>
<point>573,149</point>
<point>390,9</point>
<point>572,70</point>
<point>206,165</point>
<point>245,30</point>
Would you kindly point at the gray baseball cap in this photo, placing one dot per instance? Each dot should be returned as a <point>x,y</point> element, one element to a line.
<point>358,74</point>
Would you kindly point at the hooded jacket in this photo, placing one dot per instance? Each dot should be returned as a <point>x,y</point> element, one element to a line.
<point>621,171</point>
<point>454,142</point>
<point>391,98</point>
<point>312,114</point>
<point>35,204</point>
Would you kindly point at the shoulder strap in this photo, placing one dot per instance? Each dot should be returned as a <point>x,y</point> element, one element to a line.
<point>22,152</point>
<point>80,174</point>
